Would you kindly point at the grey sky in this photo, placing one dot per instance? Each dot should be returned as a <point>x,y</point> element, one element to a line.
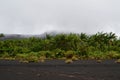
<point>38,16</point>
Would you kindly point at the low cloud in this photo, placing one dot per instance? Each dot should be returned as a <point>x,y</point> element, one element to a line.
<point>38,16</point>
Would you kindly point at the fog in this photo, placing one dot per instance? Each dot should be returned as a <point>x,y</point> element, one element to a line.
<point>39,16</point>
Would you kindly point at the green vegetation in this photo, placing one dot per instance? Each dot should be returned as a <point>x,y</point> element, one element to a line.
<point>1,35</point>
<point>69,47</point>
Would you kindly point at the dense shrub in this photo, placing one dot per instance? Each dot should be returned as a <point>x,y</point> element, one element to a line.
<point>72,46</point>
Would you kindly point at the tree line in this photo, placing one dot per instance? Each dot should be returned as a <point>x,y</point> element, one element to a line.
<point>82,46</point>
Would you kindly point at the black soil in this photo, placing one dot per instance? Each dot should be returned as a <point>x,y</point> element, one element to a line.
<point>59,70</point>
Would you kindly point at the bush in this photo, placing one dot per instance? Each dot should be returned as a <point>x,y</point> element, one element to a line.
<point>32,57</point>
<point>97,55</point>
<point>5,55</point>
<point>69,54</point>
<point>113,55</point>
<point>82,52</point>
<point>58,53</point>
<point>46,54</point>
<point>21,57</point>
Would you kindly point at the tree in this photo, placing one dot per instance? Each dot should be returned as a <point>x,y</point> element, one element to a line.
<point>2,35</point>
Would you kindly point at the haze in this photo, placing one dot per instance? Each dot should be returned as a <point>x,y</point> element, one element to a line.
<point>39,16</point>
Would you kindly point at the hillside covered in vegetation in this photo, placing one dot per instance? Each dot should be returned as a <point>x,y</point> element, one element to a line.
<point>62,46</point>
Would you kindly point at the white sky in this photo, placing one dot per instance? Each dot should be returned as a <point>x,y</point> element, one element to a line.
<point>38,16</point>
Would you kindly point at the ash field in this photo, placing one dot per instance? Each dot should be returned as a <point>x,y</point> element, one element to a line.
<point>59,70</point>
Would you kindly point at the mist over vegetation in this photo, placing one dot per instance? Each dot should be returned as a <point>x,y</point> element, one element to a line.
<point>62,46</point>
<point>39,16</point>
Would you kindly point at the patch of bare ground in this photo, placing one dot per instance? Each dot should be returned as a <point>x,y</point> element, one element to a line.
<point>59,70</point>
